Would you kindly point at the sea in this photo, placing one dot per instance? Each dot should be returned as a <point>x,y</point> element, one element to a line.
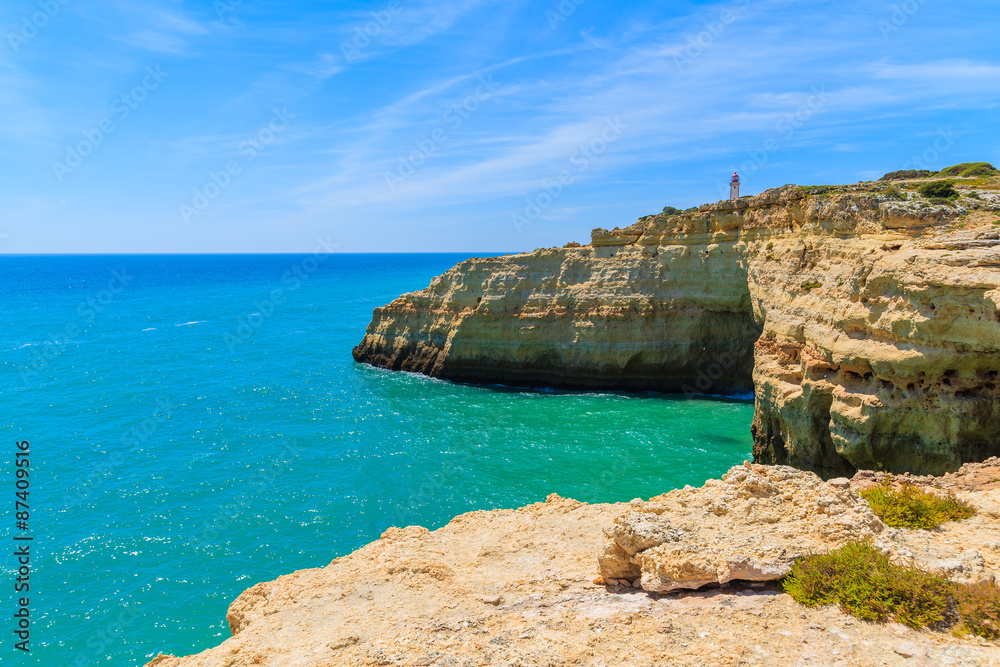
<point>195,424</point>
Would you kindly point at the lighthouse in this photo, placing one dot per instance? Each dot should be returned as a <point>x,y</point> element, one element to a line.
<point>734,188</point>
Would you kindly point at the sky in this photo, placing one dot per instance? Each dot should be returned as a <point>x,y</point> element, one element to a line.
<point>171,126</point>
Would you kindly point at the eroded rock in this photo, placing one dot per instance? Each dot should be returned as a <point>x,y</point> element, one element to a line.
<point>750,526</point>
<point>867,326</point>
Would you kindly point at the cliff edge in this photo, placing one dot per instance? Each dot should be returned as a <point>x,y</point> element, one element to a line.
<point>523,587</point>
<point>865,319</point>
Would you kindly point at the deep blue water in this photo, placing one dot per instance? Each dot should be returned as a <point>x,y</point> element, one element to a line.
<point>197,425</point>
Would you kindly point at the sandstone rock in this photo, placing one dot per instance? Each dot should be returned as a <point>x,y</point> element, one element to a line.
<point>908,649</point>
<point>750,527</point>
<point>867,328</point>
<point>381,605</point>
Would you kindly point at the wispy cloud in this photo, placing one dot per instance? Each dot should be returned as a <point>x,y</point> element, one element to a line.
<point>699,87</point>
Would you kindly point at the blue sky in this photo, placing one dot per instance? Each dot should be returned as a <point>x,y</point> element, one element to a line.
<point>474,125</point>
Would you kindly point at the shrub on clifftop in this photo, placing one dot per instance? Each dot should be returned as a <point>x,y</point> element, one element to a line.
<point>969,170</point>
<point>911,507</point>
<point>979,607</point>
<point>906,174</point>
<point>866,584</point>
<point>942,189</point>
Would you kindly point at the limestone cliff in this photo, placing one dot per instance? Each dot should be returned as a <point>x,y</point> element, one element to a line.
<point>611,316</point>
<point>523,587</point>
<point>864,318</point>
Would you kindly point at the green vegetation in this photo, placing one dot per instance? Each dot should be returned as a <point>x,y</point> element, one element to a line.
<point>821,189</point>
<point>912,507</point>
<point>893,193</point>
<point>770,246</point>
<point>942,189</point>
<point>978,606</point>
<point>906,174</point>
<point>808,285</point>
<point>970,170</point>
<point>863,582</point>
<point>941,201</point>
<point>670,210</point>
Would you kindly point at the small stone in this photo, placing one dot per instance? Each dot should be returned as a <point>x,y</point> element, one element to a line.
<point>637,583</point>
<point>599,581</point>
<point>493,600</point>
<point>840,482</point>
<point>908,649</point>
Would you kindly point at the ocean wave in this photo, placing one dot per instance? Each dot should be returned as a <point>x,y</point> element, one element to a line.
<point>187,324</point>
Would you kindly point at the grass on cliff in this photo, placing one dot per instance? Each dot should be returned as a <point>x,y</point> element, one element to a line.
<point>911,507</point>
<point>866,584</point>
<point>969,170</point>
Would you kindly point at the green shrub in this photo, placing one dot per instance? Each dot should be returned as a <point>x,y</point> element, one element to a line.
<point>942,189</point>
<point>808,285</point>
<point>906,174</point>
<point>863,582</point>
<point>978,606</point>
<point>670,210</point>
<point>893,193</point>
<point>911,507</point>
<point>969,170</point>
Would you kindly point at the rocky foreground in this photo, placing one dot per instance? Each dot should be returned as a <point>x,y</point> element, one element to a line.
<point>865,319</point>
<point>687,578</point>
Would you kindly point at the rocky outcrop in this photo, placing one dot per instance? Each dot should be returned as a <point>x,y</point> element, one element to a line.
<point>633,317</point>
<point>522,587</point>
<point>750,526</point>
<point>865,320</point>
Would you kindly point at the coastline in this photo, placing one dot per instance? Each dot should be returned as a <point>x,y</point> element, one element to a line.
<point>501,586</point>
<point>862,317</point>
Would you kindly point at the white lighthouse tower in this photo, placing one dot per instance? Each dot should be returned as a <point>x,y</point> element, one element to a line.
<point>734,188</point>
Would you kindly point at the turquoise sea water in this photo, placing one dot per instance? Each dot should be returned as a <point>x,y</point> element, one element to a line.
<point>197,425</point>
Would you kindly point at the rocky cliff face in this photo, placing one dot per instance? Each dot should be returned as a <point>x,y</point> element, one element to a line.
<point>618,314</point>
<point>866,321</point>
<point>538,586</point>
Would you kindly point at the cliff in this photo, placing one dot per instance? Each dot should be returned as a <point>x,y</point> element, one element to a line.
<point>523,587</point>
<point>864,319</point>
